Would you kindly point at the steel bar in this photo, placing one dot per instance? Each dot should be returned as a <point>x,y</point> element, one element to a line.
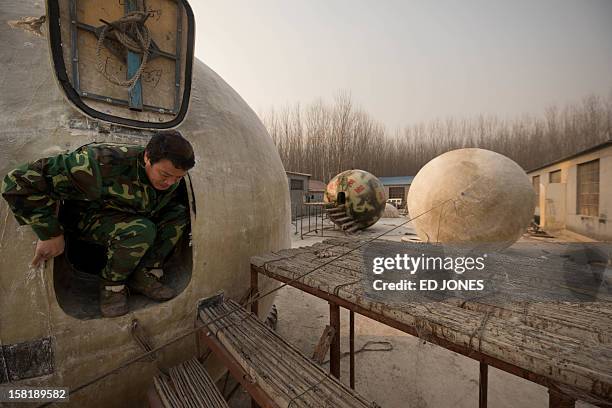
<point>557,399</point>
<point>177,64</point>
<point>334,349</point>
<point>309,227</point>
<point>122,102</point>
<point>73,46</point>
<point>483,384</point>
<point>352,348</point>
<point>254,291</point>
<point>133,65</point>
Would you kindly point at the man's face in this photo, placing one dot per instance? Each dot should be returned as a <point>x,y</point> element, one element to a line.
<point>162,174</point>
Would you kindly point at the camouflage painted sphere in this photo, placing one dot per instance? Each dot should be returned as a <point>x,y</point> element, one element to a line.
<point>361,192</point>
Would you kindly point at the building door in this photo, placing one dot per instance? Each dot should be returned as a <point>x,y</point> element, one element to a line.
<point>536,187</point>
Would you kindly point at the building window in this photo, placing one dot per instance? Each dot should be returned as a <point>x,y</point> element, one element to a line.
<point>536,187</point>
<point>297,184</point>
<point>554,176</point>
<point>396,192</point>
<point>587,194</point>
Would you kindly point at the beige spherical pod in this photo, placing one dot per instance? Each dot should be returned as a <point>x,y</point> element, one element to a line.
<point>239,204</point>
<point>473,197</point>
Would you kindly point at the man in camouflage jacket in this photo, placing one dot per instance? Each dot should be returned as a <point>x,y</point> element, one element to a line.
<point>125,199</point>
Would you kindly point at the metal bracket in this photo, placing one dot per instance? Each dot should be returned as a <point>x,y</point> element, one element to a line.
<point>30,359</point>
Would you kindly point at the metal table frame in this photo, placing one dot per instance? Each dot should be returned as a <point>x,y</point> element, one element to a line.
<point>557,399</point>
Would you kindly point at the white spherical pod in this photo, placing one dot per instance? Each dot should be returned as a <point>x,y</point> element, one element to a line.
<point>239,204</point>
<point>472,197</point>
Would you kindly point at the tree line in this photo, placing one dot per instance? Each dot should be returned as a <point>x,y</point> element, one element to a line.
<point>323,139</point>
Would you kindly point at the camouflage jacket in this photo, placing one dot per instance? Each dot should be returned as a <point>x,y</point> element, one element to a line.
<point>97,176</point>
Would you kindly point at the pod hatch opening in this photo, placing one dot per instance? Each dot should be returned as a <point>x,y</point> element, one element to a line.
<point>76,273</point>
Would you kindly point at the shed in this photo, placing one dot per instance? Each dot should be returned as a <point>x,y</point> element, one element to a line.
<point>396,189</point>
<point>316,190</point>
<point>298,187</point>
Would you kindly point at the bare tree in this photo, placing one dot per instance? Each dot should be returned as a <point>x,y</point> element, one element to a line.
<point>324,140</point>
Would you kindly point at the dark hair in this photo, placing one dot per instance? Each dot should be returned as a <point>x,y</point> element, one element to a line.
<point>171,145</point>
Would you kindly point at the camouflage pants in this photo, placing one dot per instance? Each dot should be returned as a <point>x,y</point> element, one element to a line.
<point>133,242</point>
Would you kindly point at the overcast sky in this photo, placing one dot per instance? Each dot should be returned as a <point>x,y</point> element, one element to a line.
<point>409,61</point>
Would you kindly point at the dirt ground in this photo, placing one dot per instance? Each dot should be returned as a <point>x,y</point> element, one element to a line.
<point>414,374</point>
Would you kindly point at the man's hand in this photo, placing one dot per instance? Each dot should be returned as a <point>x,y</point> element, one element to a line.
<point>48,249</point>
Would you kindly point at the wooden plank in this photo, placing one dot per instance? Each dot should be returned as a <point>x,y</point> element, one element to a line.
<point>322,346</point>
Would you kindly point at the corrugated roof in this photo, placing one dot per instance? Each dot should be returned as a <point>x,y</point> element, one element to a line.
<point>572,156</point>
<point>316,185</point>
<point>295,173</point>
<point>399,180</point>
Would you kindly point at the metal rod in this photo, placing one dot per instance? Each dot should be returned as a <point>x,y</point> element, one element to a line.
<point>352,348</point>
<point>309,219</point>
<point>322,213</point>
<point>122,102</point>
<point>334,349</point>
<point>177,65</point>
<point>74,46</point>
<point>557,399</point>
<point>133,65</point>
<point>254,291</point>
<point>483,384</point>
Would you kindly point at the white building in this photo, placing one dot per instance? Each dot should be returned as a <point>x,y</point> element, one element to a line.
<point>575,193</point>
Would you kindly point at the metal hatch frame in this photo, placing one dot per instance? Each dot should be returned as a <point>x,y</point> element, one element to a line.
<point>72,89</point>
